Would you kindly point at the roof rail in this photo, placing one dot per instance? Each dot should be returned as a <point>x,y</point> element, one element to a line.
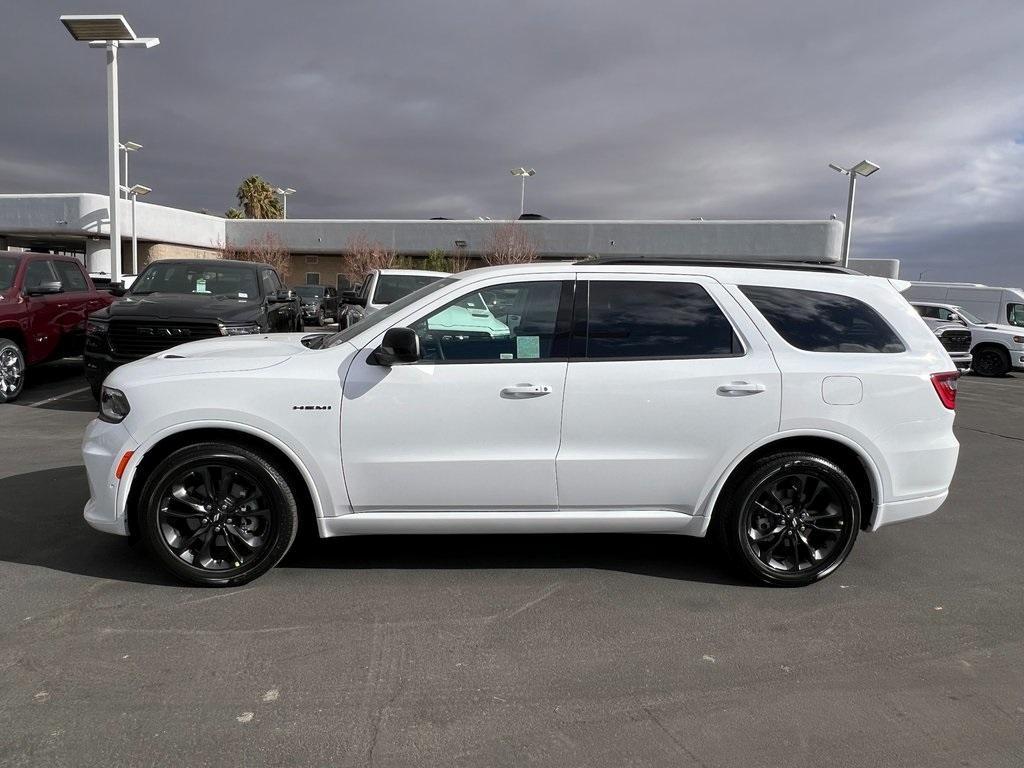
<point>696,261</point>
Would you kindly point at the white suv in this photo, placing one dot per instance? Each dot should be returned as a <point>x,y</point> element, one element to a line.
<point>780,409</point>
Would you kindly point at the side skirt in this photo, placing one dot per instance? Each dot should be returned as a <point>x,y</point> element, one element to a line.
<point>575,521</point>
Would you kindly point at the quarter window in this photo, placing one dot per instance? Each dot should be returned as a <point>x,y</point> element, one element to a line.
<point>633,319</point>
<point>505,323</point>
<point>823,322</point>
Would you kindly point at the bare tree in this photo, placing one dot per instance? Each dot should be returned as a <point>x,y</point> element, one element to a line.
<point>510,244</point>
<point>267,249</point>
<point>365,256</point>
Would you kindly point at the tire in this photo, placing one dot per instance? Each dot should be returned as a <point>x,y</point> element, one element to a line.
<point>791,509</point>
<point>12,370</point>
<point>990,362</point>
<point>204,507</point>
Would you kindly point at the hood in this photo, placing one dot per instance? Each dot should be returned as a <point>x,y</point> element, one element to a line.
<point>1002,328</point>
<point>184,306</point>
<point>221,355</point>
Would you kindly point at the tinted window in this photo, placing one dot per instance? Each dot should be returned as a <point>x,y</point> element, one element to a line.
<point>8,266</point>
<point>183,277</point>
<point>37,273</point>
<point>393,287</point>
<point>309,291</point>
<point>656,319</point>
<point>823,322</point>
<point>1014,314</point>
<point>71,276</point>
<point>518,321</point>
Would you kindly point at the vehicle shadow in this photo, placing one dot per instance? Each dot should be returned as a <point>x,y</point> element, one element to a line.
<point>41,516</point>
<point>55,380</point>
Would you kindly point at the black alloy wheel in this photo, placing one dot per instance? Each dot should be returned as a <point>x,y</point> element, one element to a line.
<point>217,514</point>
<point>990,362</point>
<point>792,521</point>
<point>12,370</point>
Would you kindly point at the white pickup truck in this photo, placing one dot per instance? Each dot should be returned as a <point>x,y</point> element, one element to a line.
<point>995,348</point>
<point>379,288</point>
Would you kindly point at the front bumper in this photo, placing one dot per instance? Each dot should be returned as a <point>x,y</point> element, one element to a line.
<point>962,359</point>
<point>102,448</point>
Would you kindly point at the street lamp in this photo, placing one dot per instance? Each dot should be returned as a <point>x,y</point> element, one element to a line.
<point>863,168</point>
<point>110,32</point>
<point>284,199</point>
<point>133,193</point>
<point>127,147</point>
<point>525,173</point>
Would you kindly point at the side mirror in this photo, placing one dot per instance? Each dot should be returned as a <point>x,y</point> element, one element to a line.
<point>279,297</point>
<point>400,345</point>
<point>351,297</point>
<point>955,318</point>
<point>46,289</point>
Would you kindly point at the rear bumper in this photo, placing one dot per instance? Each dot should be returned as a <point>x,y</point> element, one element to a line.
<point>102,448</point>
<point>908,509</point>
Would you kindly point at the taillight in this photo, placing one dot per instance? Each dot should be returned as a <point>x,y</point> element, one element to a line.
<point>945,387</point>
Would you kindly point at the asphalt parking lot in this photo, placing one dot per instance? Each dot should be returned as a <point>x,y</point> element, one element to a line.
<point>508,651</point>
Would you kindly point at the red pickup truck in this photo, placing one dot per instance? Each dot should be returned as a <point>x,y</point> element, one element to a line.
<point>44,303</point>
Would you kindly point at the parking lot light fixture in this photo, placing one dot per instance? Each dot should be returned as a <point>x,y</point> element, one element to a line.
<point>111,32</point>
<point>284,192</point>
<point>128,147</point>
<point>863,168</point>
<point>133,193</point>
<point>523,173</point>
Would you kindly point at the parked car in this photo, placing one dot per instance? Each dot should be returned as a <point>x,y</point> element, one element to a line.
<point>318,302</point>
<point>995,348</point>
<point>783,411</point>
<point>1002,306</point>
<point>179,300</point>
<point>380,288</point>
<point>956,339</point>
<point>103,282</point>
<point>44,302</point>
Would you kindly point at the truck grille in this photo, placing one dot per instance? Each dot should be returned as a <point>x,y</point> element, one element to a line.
<point>956,341</point>
<point>138,338</point>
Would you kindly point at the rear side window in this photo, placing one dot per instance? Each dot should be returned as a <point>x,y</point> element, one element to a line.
<point>823,322</point>
<point>633,319</point>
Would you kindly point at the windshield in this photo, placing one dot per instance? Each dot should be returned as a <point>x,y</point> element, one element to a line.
<point>393,287</point>
<point>381,315</point>
<point>8,266</point>
<point>214,280</point>
<point>968,316</point>
<point>310,291</point>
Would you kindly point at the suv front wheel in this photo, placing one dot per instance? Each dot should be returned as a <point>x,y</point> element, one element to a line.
<point>217,514</point>
<point>791,521</point>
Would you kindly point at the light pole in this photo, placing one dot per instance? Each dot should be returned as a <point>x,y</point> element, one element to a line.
<point>133,193</point>
<point>863,168</point>
<point>284,199</point>
<point>127,147</point>
<point>110,32</point>
<point>524,173</point>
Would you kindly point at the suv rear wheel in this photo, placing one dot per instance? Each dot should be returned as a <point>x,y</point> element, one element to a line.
<point>12,370</point>
<point>791,521</point>
<point>217,514</point>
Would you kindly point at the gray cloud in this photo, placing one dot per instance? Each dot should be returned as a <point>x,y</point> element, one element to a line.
<point>647,110</point>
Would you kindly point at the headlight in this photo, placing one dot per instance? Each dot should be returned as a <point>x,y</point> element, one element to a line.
<point>97,327</point>
<point>240,330</point>
<point>1018,339</point>
<point>113,405</point>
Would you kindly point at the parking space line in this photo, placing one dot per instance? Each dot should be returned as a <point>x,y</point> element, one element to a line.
<point>57,397</point>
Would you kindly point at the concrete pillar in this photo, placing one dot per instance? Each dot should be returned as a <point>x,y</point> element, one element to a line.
<point>97,256</point>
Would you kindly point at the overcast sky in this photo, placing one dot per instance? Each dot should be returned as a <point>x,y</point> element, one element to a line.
<point>665,109</point>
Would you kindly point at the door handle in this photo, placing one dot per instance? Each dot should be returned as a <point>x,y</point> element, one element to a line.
<point>739,388</point>
<point>520,391</point>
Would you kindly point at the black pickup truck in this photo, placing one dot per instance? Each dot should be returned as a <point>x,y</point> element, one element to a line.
<point>177,300</point>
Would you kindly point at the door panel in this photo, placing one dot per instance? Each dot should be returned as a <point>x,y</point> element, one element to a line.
<point>477,430</point>
<point>655,433</point>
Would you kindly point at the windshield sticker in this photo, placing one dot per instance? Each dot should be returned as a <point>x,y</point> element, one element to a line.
<point>506,356</point>
<point>528,347</point>
<point>243,295</point>
<point>201,285</point>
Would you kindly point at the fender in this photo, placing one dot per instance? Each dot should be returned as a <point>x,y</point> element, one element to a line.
<point>320,493</point>
<point>710,497</point>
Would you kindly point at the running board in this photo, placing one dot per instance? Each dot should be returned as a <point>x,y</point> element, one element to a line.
<point>575,521</point>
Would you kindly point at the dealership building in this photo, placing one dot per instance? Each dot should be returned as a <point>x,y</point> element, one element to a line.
<point>79,224</point>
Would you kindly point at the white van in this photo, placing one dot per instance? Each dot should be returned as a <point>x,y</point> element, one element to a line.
<point>990,304</point>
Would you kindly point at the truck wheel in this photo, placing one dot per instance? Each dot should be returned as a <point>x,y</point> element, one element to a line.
<point>990,362</point>
<point>791,520</point>
<point>12,370</point>
<point>217,514</point>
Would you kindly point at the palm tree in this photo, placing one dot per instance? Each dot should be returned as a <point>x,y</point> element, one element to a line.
<point>234,213</point>
<point>258,199</point>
